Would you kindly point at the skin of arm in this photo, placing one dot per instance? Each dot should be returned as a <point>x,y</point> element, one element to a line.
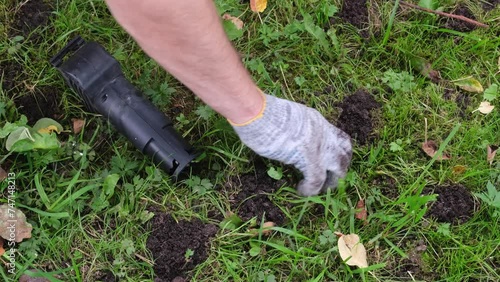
<point>187,39</point>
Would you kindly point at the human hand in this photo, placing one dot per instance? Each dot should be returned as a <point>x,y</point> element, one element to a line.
<point>295,134</point>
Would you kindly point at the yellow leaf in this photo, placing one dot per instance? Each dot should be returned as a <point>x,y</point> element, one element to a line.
<point>491,152</point>
<point>49,129</point>
<point>485,108</point>
<point>469,84</point>
<point>352,251</point>
<point>258,5</point>
<point>459,169</point>
<point>236,21</point>
<point>47,125</point>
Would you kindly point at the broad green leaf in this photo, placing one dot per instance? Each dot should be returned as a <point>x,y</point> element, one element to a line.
<point>110,183</point>
<point>491,92</point>
<point>232,30</point>
<point>429,4</point>
<point>47,125</point>
<point>231,222</point>
<point>469,84</point>
<point>7,129</point>
<point>19,134</point>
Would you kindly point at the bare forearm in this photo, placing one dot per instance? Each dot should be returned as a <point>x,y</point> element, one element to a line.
<point>187,39</point>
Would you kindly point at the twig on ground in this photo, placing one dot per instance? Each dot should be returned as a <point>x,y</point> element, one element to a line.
<point>462,18</point>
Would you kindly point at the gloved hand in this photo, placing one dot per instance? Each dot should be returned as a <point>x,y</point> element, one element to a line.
<point>298,135</point>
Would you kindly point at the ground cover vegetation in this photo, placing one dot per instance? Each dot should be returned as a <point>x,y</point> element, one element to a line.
<point>417,92</point>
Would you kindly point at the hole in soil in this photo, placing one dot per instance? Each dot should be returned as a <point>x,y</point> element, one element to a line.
<point>454,204</point>
<point>253,200</point>
<point>356,118</point>
<point>170,240</point>
<point>44,102</point>
<point>31,14</point>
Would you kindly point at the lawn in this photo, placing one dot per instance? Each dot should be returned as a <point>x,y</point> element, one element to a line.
<point>414,90</point>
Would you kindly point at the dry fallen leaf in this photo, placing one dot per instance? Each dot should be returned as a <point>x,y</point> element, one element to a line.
<point>362,214</point>
<point>352,251</point>
<point>77,125</point>
<point>3,174</point>
<point>430,148</point>
<point>492,151</point>
<point>13,225</point>
<point>2,250</point>
<point>469,84</point>
<point>236,21</point>
<point>266,229</point>
<point>26,278</point>
<point>258,5</point>
<point>459,169</point>
<point>485,108</point>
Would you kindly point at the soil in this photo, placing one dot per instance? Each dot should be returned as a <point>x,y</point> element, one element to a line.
<point>454,204</point>
<point>253,200</point>
<point>459,25</point>
<point>44,102</point>
<point>169,242</point>
<point>356,117</point>
<point>28,17</point>
<point>11,74</point>
<point>414,265</point>
<point>462,100</point>
<point>355,12</point>
<point>490,5</point>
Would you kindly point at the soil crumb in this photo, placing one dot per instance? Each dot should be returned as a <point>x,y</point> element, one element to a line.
<point>30,15</point>
<point>490,5</point>
<point>253,200</point>
<point>355,12</point>
<point>44,102</point>
<point>169,242</point>
<point>459,25</point>
<point>356,117</point>
<point>454,204</point>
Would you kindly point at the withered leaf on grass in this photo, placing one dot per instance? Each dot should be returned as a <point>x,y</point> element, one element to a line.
<point>22,228</point>
<point>469,84</point>
<point>459,169</point>
<point>77,125</point>
<point>485,108</point>
<point>492,151</point>
<point>3,174</point>
<point>425,68</point>
<point>430,148</point>
<point>266,229</point>
<point>362,214</point>
<point>258,5</point>
<point>236,21</point>
<point>352,251</point>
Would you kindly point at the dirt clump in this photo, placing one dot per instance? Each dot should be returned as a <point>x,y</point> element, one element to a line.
<point>170,242</point>
<point>30,15</point>
<point>490,5</point>
<point>253,200</point>
<point>459,25</point>
<point>43,102</point>
<point>356,117</point>
<point>454,204</point>
<point>413,266</point>
<point>355,12</point>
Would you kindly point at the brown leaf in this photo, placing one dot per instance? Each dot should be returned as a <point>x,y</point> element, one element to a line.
<point>26,278</point>
<point>492,151</point>
<point>459,169</point>
<point>236,21</point>
<point>266,229</point>
<point>13,225</point>
<point>77,125</point>
<point>362,214</point>
<point>3,174</point>
<point>2,250</point>
<point>430,148</point>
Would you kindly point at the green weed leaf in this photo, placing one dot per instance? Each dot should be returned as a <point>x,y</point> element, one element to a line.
<point>231,222</point>
<point>429,4</point>
<point>204,111</point>
<point>19,134</point>
<point>274,173</point>
<point>491,93</point>
<point>232,30</point>
<point>469,84</point>
<point>110,183</point>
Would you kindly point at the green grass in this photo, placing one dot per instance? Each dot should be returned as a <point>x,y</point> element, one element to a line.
<point>289,55</point>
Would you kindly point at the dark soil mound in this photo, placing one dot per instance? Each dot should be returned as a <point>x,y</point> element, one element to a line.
<point>490,5</point>
<point>355,12</point>
<point>11,74</point>
<point>31,14</point>
<point>454,204</point>
<point>253,200</point>
<point>44,102</point>
<point>356,118</point>
<point>460,25</point>
<point>170,240</point>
